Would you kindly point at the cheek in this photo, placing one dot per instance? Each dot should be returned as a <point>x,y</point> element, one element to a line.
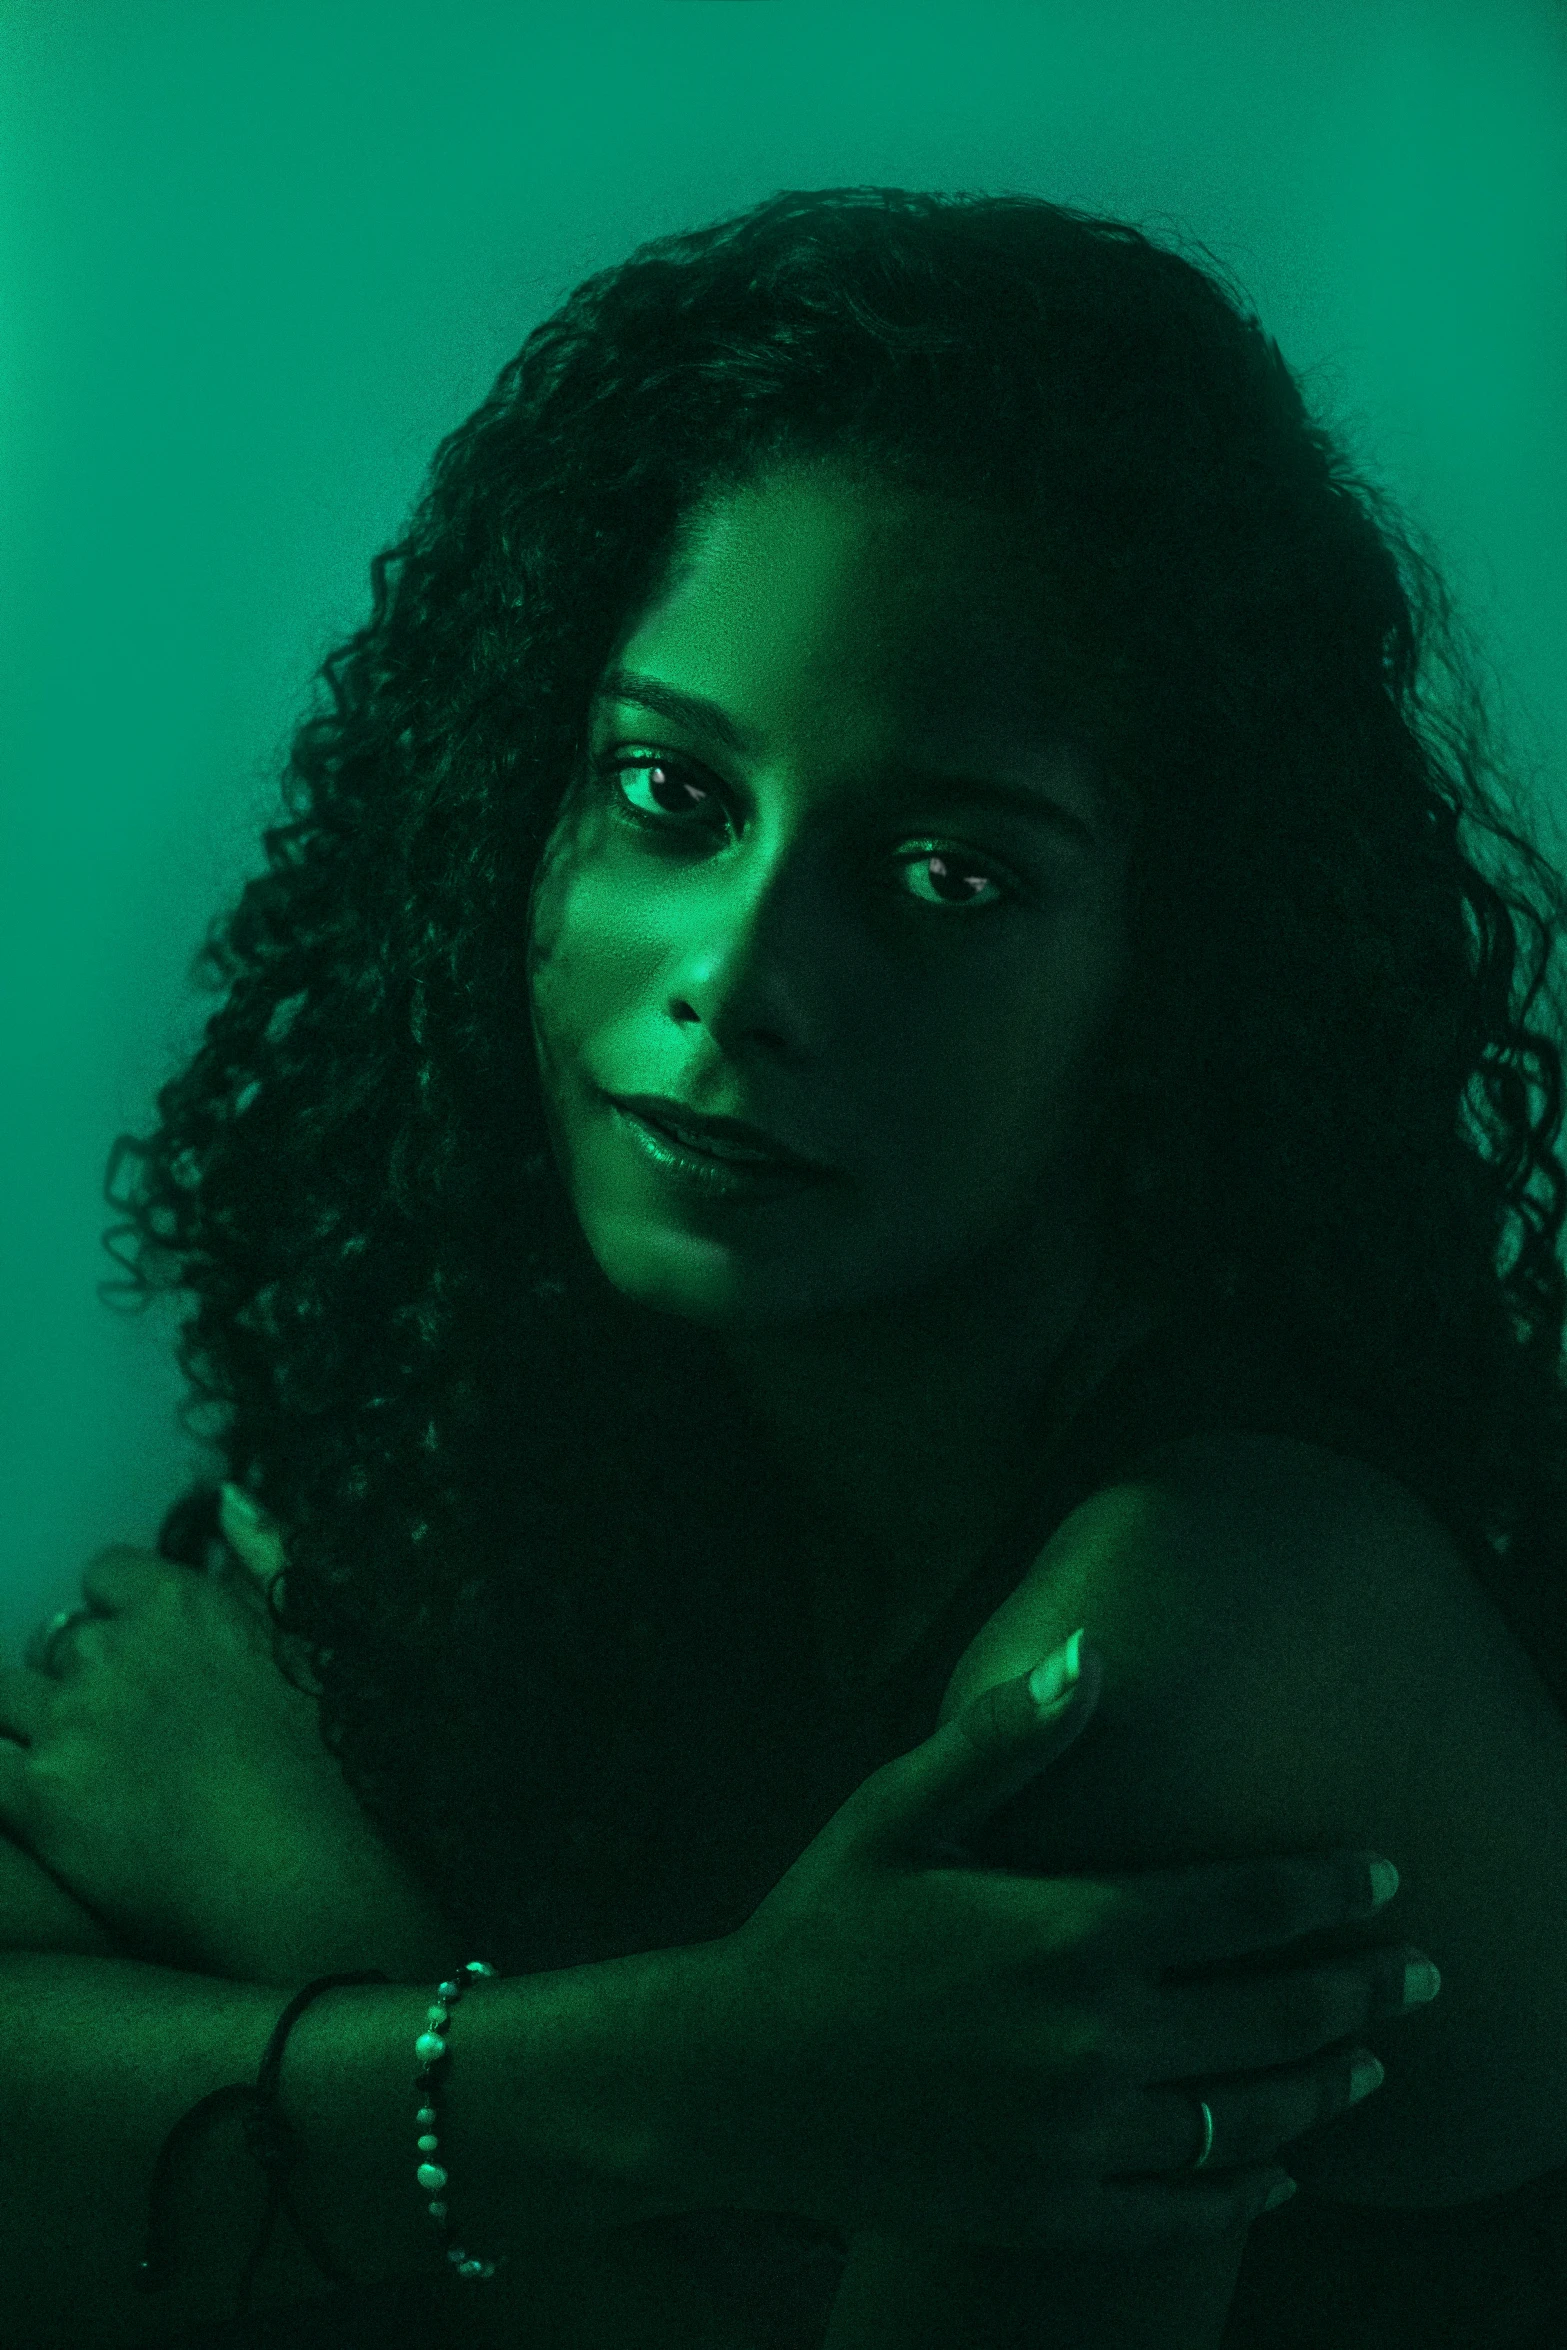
<point>956,1154</point>
<point>572,958</point>
<point>555,893</point>
<point>546,908</point>
<point>1004,1120</point>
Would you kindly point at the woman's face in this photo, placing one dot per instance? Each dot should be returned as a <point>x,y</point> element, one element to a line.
<point>823,928</point>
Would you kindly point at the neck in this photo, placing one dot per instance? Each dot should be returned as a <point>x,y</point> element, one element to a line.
<point>909,1510</point>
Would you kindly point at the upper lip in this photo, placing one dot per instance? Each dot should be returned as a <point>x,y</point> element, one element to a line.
<point>668,1112</point>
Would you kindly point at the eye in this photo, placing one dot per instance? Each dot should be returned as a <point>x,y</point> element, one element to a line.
<point>949,865</point>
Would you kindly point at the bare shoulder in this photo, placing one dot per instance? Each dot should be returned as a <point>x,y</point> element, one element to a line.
<point>1297,1657</point>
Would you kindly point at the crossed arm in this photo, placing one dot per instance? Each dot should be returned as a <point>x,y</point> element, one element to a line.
<point>1242,1594</point>
<point>901,2294</point>
<point>1243,1609</point>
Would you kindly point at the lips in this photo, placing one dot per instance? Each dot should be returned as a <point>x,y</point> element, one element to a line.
<point>712,1146</point>
<point>729,1138</point>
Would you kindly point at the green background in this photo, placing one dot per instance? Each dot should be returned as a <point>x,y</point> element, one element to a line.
<point>257,258</point>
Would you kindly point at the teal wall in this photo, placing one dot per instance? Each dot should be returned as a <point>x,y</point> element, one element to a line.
<point>258,256</point>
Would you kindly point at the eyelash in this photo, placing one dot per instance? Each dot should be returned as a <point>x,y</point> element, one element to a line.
<point>607,766</point>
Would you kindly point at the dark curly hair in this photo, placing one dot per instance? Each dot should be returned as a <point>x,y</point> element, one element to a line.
<point>538,1554</point>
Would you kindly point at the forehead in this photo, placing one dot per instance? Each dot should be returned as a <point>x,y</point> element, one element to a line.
<point>895,595</point>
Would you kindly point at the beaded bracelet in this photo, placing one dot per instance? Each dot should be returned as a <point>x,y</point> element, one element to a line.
<point>430,2048</point>
<point>273,2144</point>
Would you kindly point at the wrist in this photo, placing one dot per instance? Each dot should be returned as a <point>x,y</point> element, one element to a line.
<point>684,2131</point>
<point>563,2112</point>
<point>601,2069</point>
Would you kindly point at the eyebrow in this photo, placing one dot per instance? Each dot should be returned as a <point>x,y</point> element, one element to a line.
<point>938,789</point>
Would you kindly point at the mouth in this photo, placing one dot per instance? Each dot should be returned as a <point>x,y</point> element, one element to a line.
<point>735,1140</point>
<point>714,1167</point>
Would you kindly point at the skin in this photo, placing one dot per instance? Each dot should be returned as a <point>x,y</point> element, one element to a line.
<point>778,952</point>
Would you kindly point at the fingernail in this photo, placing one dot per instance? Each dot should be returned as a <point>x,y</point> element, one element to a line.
<point>1421,1982</point>
<point>1365,2074</point>
<point>1281,2194</point>
<point>1384,1882</point>
<point>1050,1681</point>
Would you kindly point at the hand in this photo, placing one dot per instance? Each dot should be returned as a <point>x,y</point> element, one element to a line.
<point>36,1913</point>
<point>175,1782</point>
<point>891,2045</point>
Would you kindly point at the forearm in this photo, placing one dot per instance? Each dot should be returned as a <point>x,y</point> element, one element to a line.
<point>542,2131</point>
<point>916,2293</point>
<point>907,2293</point>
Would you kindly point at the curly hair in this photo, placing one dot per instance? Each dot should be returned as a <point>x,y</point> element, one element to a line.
<point>538,1553</point>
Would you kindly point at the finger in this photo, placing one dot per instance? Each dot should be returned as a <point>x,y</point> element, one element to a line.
<point>929,1799</point>
<point>122,1576</point>
<point>15,1811</point>
<point>25,1698</point>
<point>1258,2120</point>
<point>1141,2217</point>
<point>1230,1909</point>
<point>1247,2023</point>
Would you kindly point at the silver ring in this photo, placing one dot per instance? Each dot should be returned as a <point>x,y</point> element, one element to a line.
<point>1205,2115</point>
<point>39,1653</point>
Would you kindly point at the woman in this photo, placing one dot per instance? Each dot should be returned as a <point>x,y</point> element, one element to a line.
<point>904,673</point>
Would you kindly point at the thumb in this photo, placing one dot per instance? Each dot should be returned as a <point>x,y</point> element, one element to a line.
<point>932,1797</point>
